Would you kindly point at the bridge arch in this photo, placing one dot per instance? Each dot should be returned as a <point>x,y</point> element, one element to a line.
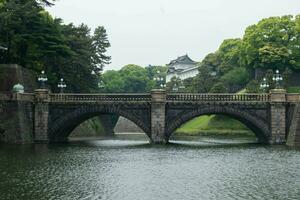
<point>62,127</point>
<point>255,123</point>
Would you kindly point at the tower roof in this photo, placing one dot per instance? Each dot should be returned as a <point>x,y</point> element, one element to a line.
<point>182,60</point>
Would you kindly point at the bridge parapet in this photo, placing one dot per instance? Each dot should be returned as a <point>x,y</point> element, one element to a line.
<point>5,96</point>
<point>293,98</point>
<point>218,97</point>
<point>28,97</point>
<point>91,98</point>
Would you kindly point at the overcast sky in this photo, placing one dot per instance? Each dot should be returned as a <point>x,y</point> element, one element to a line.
<point>157,31</point>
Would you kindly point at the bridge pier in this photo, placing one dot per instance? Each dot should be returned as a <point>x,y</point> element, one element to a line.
<point>294,130</point>
<point>278,116</point>
<point>109,122</point>
<point>41,116</point>
<point>158,117</point>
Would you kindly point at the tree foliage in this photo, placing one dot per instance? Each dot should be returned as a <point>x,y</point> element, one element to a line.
<point>204,80</point>
<point>38,41</point>
<point>218,88</point>
<point>131,79</point>
<point>272,43</point>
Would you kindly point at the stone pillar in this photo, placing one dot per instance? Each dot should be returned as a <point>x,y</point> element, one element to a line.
<point>109,121</point>
<point>294,130</point>
<point>41,116</point>
<point>158,117</point>
<point>278,116</point>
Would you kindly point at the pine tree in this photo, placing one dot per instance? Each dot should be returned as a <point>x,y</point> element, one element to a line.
<point>100,45</point>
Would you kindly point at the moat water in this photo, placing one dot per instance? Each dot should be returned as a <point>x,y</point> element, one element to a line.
<point>120,169</point>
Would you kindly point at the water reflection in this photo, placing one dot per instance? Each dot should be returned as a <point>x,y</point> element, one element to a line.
<point>128,169</point>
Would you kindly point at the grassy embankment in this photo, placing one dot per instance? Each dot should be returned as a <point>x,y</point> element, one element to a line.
<point>293,90</point>
<point>91,127</point>
<point>216,125</point>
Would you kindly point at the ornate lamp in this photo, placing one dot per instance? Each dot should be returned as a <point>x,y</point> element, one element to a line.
<point>175,88</point>
<point>61,85</point>
<point>160,81</point>
<point>264,85</point>
<point>42,79</point>
<point>277,77</point>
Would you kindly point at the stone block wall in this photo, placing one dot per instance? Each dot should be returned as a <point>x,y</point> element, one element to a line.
<point>278,123</point>
<point>278,116</point>
<point>158,117</point>
<point>41,122</point>
<point>294,130</point>
<point>11,74</point>
<point>126,126</point>
<point>16,122</point>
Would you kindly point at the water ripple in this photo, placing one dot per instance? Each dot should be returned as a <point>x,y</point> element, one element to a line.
<point>129,170</point>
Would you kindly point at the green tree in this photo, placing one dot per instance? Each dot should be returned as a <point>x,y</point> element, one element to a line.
<point>175,85</point>
<point>113,82</point>
<point>211,62</point>
<point>151,73</point>
<point>100,45</point>
<point>253,87</point>
<point>78,68</point>
<point>236,78</point>
<point>135,78</point>
<point>229,55</point>
<point>204,80</point>
<point>38,41</point>
<point>271,44</point>
<point>218,88</point>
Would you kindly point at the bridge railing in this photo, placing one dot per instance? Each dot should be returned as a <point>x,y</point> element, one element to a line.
<point>69,98</point>
<point>25,97</point>
<point>5,96</point>
<point>293,97</point>
<point>218,97</point>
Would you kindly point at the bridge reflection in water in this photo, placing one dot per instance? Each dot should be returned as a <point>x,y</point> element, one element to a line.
<point>272,117</point>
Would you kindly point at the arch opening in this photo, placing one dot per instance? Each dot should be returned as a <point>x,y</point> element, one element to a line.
<point>107,127</point>
<point>214,116</point>
<point>63,128</point>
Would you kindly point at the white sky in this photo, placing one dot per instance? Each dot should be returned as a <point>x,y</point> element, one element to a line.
<point>157,31</point>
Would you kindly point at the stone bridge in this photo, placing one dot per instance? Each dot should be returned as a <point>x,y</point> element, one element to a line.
<point>47,117</point>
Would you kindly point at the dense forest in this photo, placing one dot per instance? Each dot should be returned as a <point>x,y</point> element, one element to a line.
<point>37,41</point>
<point>271,44</point>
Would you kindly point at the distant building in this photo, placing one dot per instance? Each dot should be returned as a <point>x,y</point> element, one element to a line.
<point>183,67</point>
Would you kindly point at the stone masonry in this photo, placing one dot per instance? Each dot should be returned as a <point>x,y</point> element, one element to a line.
<point>278,117</point>
<point>41,116</point>
<point>45,117</point>
<point>158,110</point>
<point>294,131</point>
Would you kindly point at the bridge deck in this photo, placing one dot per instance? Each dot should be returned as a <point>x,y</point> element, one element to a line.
<point>146,97</point>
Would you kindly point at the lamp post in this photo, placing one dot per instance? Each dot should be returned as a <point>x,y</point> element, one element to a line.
<point>178,85</point>
<point>277,77</point>
<point>160,81</point>
<point>264,85</point>
<point>61,85</point>
<point>175,88</point>
<point>3,48</point>
<point>42,78</point>
<point>100,84</point>
<point>181,87</point>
